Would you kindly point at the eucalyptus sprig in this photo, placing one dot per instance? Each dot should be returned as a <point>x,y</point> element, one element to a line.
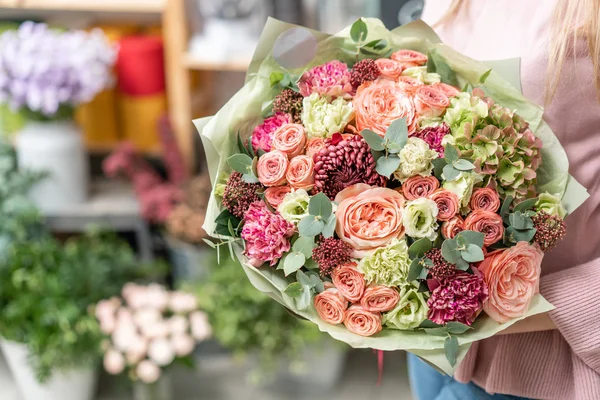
<point>385,149</point>
<point>437,64</point>
<point>450,167</point>
<point>306,285</point>
<point>245,165</point>
<point>301,252</point>
<point>377,48</point>
<point>228,226</point>
<point>519,223</point>
<point>420,264</point>
<point>450,330</point>
<point>464,248</point>
<point>320,218</point>
<point>285,80</point>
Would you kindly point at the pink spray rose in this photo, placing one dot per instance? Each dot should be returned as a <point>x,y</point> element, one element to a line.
<point>430,102</point>
<point>349,281</point>
<point>362,322</point>
<point>409,58</point>
<point>379,298</point>
<point>331,305</point>
<point>329,79</point>
<point>419,186</point>
<point>448,205</point>
<point>266,235</point>
<point>453,227</point>
<point>314,146</point>
<point>487,222</point>
<point>389,69</point>
<point>300,173</point>
<point>486,199</point>
<point>289,138</point>
<point>274,195</point>
<point>409,85</point>
<point>448,90</point>
<point>271,168</point>
<point>262,136</point>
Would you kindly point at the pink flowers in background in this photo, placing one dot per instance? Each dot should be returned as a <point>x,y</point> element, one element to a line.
<point>266,234</point>
<point>148,328</point>
<point>262,136</point>
<point>330,79</point>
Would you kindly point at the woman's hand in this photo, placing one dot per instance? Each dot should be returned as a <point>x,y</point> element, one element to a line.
<point>535,323</point>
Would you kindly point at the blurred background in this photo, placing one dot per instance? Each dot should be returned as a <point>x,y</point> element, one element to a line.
<point>115,191</point>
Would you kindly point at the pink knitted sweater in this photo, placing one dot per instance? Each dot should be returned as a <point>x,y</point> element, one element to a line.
<point>564,363</point>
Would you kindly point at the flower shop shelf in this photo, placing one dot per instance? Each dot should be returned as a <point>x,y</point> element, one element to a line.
<point>143,6</point>
<point>195,63</point>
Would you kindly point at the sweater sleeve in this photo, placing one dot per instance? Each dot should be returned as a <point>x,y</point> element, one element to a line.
<point>575,292</point>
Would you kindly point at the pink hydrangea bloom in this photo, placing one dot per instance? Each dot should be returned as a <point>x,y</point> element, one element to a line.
<point>266,235</point>
<point>330,79</point>
<point>458,298</point>
<point>262,136</point>
<point>433,136</point>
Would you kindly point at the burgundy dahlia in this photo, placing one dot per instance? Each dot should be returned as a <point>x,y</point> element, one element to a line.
<point>364,71</point>
<point>238,195</point>
<point>330,253</point>
<point>289,102</point>
<point>459,298</point>
<point>433,137</point>
<point>343,164</point>
<point>550,229</point>
<point>441,268</point>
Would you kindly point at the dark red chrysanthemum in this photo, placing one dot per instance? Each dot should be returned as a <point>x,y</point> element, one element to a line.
<point>238,195</point>
<point>550,229</point>
<point>441,268</point>
<point>289,102</point>
<point>330,253</point>
<point>364,71</point>
<point>343,164</point>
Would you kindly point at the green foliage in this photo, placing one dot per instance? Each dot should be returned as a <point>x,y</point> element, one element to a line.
<point>451,165</point>
<point>320,220</point>
<point>437,64</point>
<point>284,80</point>
<point>377,48</point>
<point>47,288</point>
<point>465,248</point>
<point>385,149</point>
<point>245,165</point>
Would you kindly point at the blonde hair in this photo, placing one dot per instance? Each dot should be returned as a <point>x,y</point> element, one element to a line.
<point>571,21</point>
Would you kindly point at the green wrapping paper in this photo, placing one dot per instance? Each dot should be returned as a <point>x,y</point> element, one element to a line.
<point>244,111</point>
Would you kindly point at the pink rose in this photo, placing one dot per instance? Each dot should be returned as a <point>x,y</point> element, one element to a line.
<point>114,362</point>
<point>448,204</point>
<point>409,58</point>
<point>178,324</point>
<point>379,298</point>
<point>182,344</point>
<point>453,227</point>
<point>137,351</point>
<point>389,69</point>
<point>409,85</point>
<point>181,302</point>
<point>449,91</point>
<point>300,173</point>
<point>201,329</point>
<point>272,167</point>
<point>430,102</point>
<point>486,199</point>
<point>331,305</point>
<point>513,278</point>
<point>419,186</point>
<point>314,146</point>
<point>147,371</point>
<point>262,136</point>
<point>349,281</point>
<point>362,322</point>
<point>290,138</point>
<point>123,336</point>
<point>486,222</point>
<point>368,218</point>
<point>274,195</point>
<point>161,352</point>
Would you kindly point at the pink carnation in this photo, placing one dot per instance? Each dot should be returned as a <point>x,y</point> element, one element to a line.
<point>262,136</point>
<point>330,79</point>
<point>433,136</point>
<point>457,298</point>
<point>266,235</point>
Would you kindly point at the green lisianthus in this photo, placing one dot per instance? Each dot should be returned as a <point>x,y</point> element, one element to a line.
<point>410,312</point>
<point>322,118</point>
<point>294,206</point>
<point>387,265</point>
<point>419,218</point>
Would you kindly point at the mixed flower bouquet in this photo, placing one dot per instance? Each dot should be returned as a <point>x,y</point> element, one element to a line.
<point>369,194</point>
<point>148,329</point>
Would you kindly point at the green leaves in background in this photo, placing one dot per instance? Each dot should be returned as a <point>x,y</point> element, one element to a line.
<point>436,63</point>
<point>284,80</point>
<point>320,220</point>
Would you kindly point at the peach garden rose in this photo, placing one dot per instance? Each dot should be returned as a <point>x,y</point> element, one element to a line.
<point>487,222</point>
<point>349,281</point>
<point>453,227</point>
<point>379,298</point>
<point>485,199</point>
<point>408,84</point>
<point>419,186</point>
<point>314,146</point>
<point>447,203</point>
<point>409,58</point>
<point>513,278</point>
<point>430,102</point>
<point>274,195</point>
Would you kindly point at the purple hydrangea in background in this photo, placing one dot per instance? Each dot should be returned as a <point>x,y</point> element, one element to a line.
<point>42,69</point>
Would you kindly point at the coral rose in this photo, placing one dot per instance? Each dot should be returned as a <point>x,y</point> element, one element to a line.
<point>447,203</point>
<point>419,186</point>
<point>349,281</point>
<point>429,101</point>
<point>487,222</point>
<point>379,103</point>
<point>409,85</point>
<point>289,138</point>
<point>448,90</point>
<point>389,69</point>
<point>453,227</point>
<point>314,146</point>
<point>368,218</point>
<point>271,168</point>
<point>409,58</point>
<point>274,195</point>
<point>513,278</point>
<point>379,298</point>
<point>300,173</point>
<point>362,322</point>
<point>486,199</point>
<point>331,305</point>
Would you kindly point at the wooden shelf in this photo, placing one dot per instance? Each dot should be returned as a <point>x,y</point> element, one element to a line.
<point>143,6</point>
<point>195,63</point>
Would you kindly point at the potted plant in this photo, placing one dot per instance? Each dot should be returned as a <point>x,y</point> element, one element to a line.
<point>49,337</point>
<point>45,74</point>
<point>287,350</point>
<point>148,329</point>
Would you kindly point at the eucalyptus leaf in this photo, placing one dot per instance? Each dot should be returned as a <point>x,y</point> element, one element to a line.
<point>294,290</point>
<point>450,252</point>
<point>450,173</point>
<point>304,245</point>
<point>462,264</point>
<point>374,141</point>
<point>387,165</point>
<point>441,331</point>
<point>429,324</point>
<point>240,162</point>
<point>451,349</point>
<point>438,167</point>
<point>525,205</point>
<point>473,237</point>
<point>358,30</point>
<point>505,209</point>
<point>424,273</point>
<point>275,78</point>
<point>250,178</point>
<point>397,132</point>
<point>241,148</point>
<point>329,227</point>
<point>315,281</point>
<point>419,248</point>
<point>310,226</point>
<point>304,300</point>
<point>293,262</point>
<point>414,270</point>
<point>450,154</point>
<point>463,165</point>
<point>320,206</point>
<point>456,328</point>
<point>303,278</point>
<point>520,221</point>
<point>472,254</point>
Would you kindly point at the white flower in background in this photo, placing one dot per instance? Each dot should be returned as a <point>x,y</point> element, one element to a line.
<point>294,206</point>
<point>114,362</point>
<point>135,296</point>
<point>137,351</point>
<point>146,316</point>
<point>183,345</point>
<point>201,329</point>
<point>124,335</point>
<point>157,296</point>
<point>181,302</point>
<point>178,324</point>
<point>106,314</point>
<point>156,329</point>
<point>161,352</point>
<point>147,371</point>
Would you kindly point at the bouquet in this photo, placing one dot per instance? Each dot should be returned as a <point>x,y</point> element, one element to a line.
<point>148,329</point>
<point>387,188</point>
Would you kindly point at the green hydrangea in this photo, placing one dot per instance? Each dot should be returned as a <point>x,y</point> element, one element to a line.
<point>387,265</point>
<point>421,74</point>
<point>463,186</point>
<point>464,111</point>
<point>322,118</point>
<point>550,204</point>
<point>410,312</point>
<point>294,206</point>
